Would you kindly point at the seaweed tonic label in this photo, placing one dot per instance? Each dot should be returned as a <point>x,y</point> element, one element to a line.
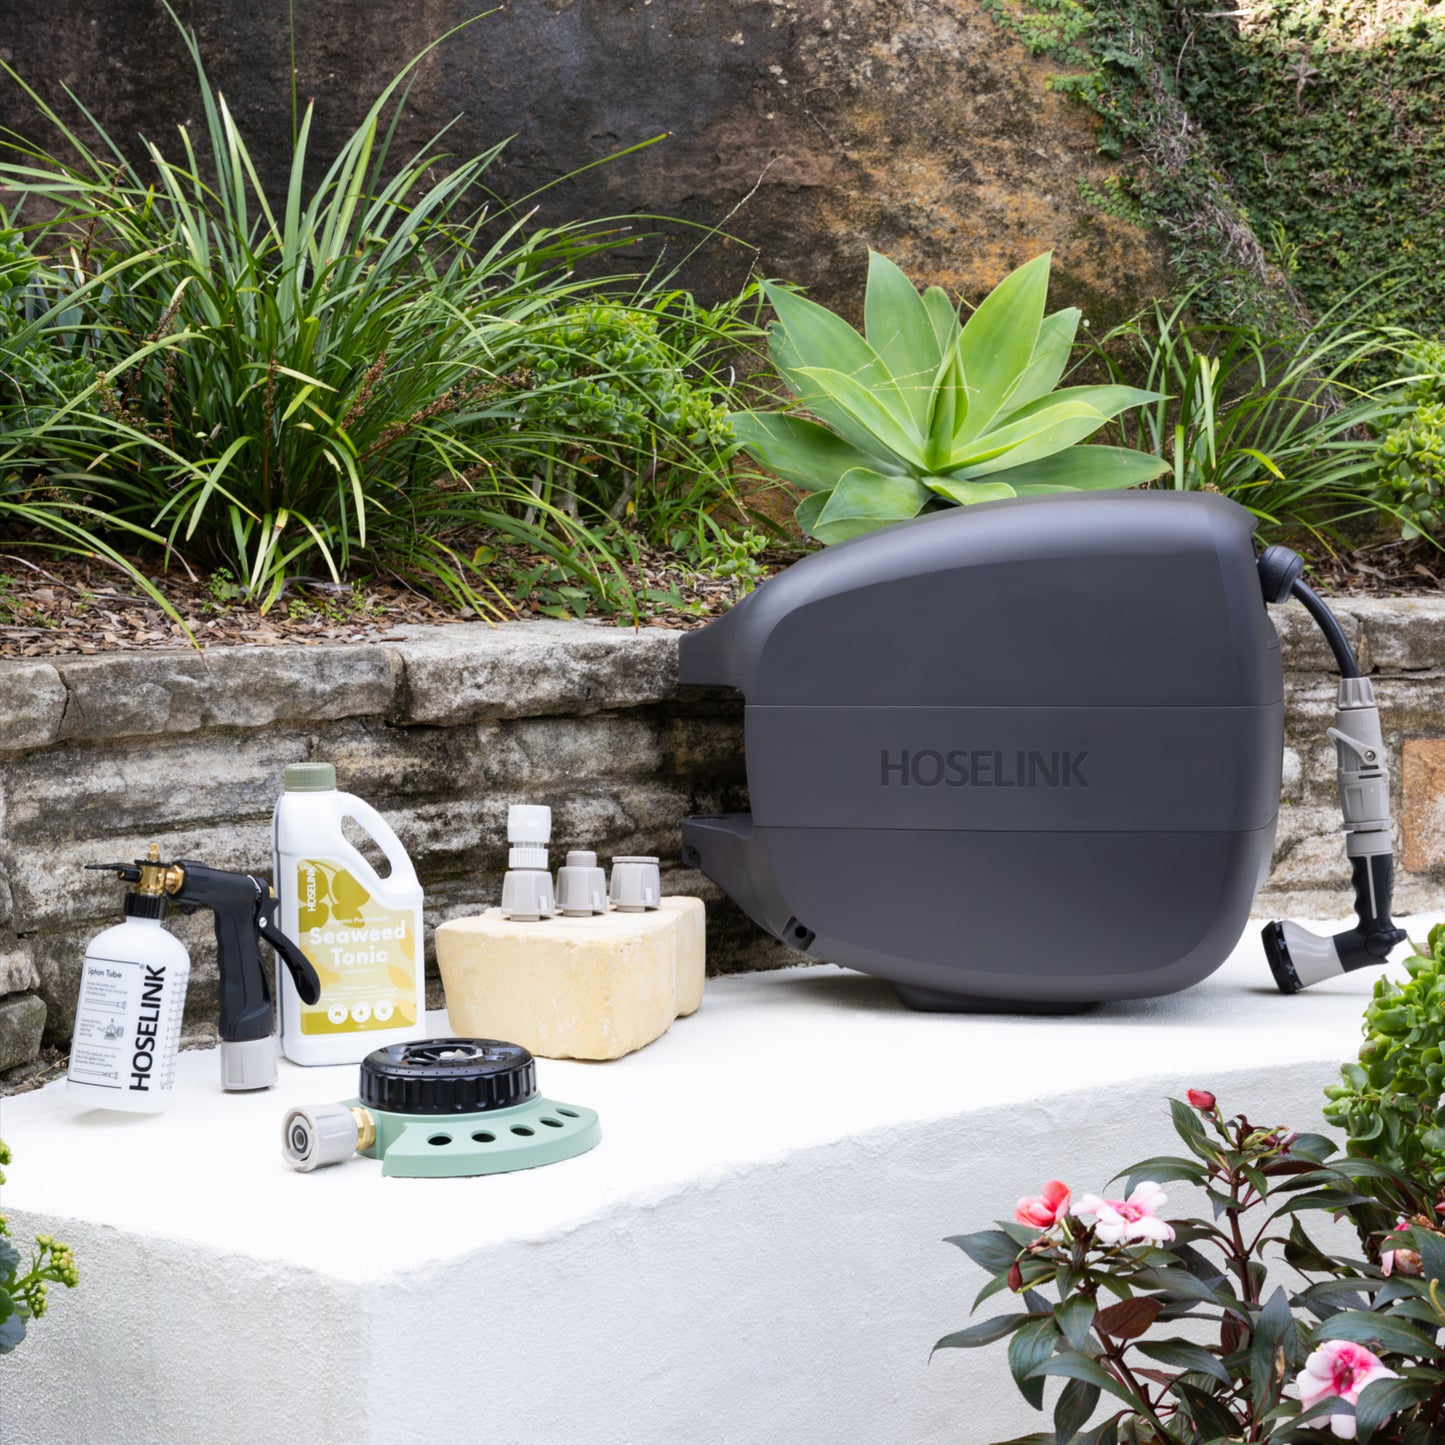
<point>365,954</point>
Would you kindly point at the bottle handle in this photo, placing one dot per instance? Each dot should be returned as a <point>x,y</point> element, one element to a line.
<point>381,832</point>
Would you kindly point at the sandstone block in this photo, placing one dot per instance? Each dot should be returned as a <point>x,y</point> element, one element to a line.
<point>129,694</point>
<point>17,968</point>
<point>532,669</point>
<point>1403,634</point>
<point>1422,768</point>
<point>32,705</point>
<point>575,988</point>
<point>22,1021</point>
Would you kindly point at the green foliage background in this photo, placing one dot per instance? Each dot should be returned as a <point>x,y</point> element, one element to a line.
<point>1292,150</point>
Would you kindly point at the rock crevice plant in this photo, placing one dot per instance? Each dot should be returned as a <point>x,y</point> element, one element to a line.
<point>925,409</point>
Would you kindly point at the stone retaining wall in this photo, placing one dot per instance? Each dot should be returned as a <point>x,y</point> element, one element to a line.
<point>444,728</point>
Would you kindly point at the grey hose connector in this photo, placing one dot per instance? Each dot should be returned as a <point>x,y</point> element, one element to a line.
<point>323,1134</point>
<point>581,886</point>
<point>636,884</point>
<point>527,886</point>
<point>1360,769</point>
<point>248,1064</point>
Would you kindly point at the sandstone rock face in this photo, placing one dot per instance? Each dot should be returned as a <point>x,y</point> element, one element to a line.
<point>807,130</point>
<point>445,728</point>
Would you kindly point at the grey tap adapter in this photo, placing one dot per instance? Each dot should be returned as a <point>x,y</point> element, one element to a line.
<point>1024,753</point>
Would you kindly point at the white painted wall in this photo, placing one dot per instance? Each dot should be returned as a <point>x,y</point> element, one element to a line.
<point>753,1253</point>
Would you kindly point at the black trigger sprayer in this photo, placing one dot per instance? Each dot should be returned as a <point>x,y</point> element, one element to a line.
<point>1297,957</point>
<point>244,912</point>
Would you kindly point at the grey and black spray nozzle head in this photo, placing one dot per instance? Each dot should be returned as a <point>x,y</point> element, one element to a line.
<point>1299,958</point>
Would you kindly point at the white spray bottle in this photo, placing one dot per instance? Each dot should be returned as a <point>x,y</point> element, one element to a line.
<point>132,995</point>
<point>361,932</point>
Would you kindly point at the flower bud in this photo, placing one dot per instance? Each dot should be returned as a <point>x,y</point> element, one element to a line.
<point>1201,1099</point>
<point>1015,1277</point>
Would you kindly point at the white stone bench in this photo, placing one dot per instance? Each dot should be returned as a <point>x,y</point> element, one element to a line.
<point>752,1254</point>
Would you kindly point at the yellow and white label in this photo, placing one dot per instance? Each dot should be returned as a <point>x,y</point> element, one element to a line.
<point>364,953</point>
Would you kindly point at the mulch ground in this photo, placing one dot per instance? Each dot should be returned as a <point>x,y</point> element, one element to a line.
<point>53,604</point>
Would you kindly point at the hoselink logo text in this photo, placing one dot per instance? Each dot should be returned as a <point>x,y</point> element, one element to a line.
<point>979,769</point>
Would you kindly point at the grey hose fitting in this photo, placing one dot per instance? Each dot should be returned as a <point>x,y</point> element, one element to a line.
<point>581,886</point>
<point>322,1134</point>
<point>636,884</point>
<point>527,886</point>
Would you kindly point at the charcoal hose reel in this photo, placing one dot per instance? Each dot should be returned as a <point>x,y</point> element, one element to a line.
<point>1029,754</point>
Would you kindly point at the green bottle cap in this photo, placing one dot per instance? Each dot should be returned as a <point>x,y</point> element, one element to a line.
<point>310,778</point>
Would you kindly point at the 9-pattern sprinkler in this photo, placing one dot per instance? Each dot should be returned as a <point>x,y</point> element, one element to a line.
<point>442,1108</point>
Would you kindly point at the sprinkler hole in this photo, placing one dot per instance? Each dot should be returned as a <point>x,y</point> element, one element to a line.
<point>522,1129</point>
<point>553,1123</point>
<point>440,1139</point>
<point>482,1137</point>
<point>570,1113</point>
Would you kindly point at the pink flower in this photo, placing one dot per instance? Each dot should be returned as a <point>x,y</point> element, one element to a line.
<point>1043,1211</point>
<point>1339,1370</point>
<point>1128,1221</point>
<point>1404,1260</point>
<point>1201,1099</point>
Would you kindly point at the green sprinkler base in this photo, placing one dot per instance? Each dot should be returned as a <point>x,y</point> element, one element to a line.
<point>443,1146</point>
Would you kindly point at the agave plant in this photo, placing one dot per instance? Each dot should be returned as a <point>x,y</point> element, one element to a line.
<point>924,410</point>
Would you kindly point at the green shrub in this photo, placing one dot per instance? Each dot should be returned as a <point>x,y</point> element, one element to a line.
<point>624,404</point>
<point>1274,418</point>
<point>374,370</point>
<point>1412,452</point>
<point>1389,1100</point>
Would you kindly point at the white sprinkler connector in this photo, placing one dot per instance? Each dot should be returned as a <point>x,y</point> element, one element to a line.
<point>527,887</point>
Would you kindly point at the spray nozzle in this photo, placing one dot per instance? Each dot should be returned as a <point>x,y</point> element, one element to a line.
<point>1297,957</point>
<point>245,914</point>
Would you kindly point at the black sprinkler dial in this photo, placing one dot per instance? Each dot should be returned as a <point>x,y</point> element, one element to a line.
<point>448,1076</point>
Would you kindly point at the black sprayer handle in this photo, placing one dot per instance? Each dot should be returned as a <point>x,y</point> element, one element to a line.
<point>242,909</point>
<point>308,985</point>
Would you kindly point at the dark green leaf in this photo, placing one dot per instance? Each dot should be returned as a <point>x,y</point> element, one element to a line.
<point>9,1258</point>
<point>1191,1131</point>
<point>983,1333</point>
<point>1087,1369</point>
<point>992,1249</point>
<point>1314,1147</point>
<point>12,1331</point>
<point>1383,1398</point>
<point>1030,1347</point>
<point>1185,1356</point>
<point>1270,1350</point>
<point>1210,1417</point>
<point>1365,1328</point>
<point>1161,1168</point>
<point>1076,1403</point>
<point>1075,1317</point>
<point>1302,1252</point>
